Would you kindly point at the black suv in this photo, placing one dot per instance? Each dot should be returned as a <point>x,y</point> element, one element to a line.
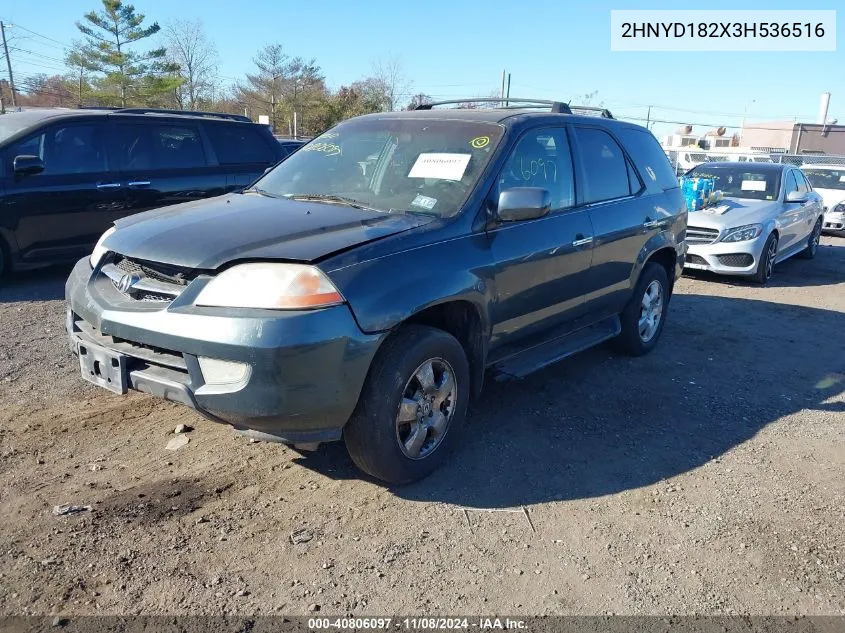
<point>362,287</point>
<point>67,175</point>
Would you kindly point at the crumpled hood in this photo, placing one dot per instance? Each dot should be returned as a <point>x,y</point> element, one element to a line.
<point>731,212</point>
<point>831,197</point>
<point>209,233</point>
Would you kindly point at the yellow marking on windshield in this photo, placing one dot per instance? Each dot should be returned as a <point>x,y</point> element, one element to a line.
<point>480,142</point>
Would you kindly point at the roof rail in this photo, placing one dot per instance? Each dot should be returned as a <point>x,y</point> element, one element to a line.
<point>602,112</point>
<point>197,113</point>
<point>556,106</point>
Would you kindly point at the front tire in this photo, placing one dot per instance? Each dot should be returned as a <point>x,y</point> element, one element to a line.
<point>766,265</point>
<point>813,241</point>
<point>644,316</point>
<point>413,404</point>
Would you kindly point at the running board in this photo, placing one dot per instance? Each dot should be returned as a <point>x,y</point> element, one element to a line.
<point>534,358</point>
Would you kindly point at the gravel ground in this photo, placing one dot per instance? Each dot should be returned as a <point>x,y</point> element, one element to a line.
<point>707,477</point>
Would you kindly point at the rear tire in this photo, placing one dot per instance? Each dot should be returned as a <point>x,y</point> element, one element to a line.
<point>413,404</point>
<point>766,265</point>
<point>644,316</point>
<point>813,241</point>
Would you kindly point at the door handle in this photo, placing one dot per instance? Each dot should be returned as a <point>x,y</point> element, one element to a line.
<point>651,224</point>
<point>581,240</point>
<point>139,183</point>
<point>108,185</point>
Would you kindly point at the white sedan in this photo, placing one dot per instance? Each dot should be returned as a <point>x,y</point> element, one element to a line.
<point>829,182</point>
<point>768,214</point>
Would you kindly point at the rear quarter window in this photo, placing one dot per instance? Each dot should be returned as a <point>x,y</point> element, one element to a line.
<point>239,145</point>
<point>649,157</point>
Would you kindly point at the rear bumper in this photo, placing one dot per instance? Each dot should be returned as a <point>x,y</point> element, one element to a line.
<point>305,369</point>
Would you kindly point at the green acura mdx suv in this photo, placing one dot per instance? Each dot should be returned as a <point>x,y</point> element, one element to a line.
<point>362,289</point>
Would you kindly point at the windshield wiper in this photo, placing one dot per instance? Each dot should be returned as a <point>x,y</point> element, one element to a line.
<point>259,191</point>
<point>322,197</point>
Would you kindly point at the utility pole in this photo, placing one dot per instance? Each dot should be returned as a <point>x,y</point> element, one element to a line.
<point>503,88</point>
<point>8,64</point>
<point>508,91</point>
<point>80,86</point>
<point>648,119</point>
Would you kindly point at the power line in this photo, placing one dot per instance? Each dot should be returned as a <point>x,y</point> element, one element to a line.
<point>42,55</point>
<point>707,125</point>
<point>18,26</point>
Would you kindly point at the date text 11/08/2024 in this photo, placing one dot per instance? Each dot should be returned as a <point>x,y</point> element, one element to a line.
<point>418,623</point>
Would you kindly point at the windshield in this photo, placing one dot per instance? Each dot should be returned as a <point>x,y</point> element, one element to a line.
<point>742,181</point>
<point>822,178</point>
<point>399,164</point>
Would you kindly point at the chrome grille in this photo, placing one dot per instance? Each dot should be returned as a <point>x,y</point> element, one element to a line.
<point>701,235</point>
<point>148,281</point>
<point>159,272</point>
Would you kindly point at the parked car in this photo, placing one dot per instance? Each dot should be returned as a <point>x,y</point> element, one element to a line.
<point>769,213</point>
<point>339,299</point>
<point>290,145</point>
<point>749,158</point>
<point>829,182</point>
<point>67,175</point>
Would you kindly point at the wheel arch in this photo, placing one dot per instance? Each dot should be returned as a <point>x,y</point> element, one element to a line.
<point>463,319</point>
<point>663,251</point>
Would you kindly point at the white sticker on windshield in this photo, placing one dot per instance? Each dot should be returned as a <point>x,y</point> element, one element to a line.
<point>424,202</point>
<point>753,185</point>
<point>841,178</point>
<point>440,166</point>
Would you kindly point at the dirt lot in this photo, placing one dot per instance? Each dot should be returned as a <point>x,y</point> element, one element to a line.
<point>708,477</point>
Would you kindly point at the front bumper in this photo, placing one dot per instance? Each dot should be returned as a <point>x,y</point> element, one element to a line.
<point>306,369</point>
<point>726,258</point>
<point>834,221</point>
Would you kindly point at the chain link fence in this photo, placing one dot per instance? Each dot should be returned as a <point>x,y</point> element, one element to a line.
<point>683,159</point>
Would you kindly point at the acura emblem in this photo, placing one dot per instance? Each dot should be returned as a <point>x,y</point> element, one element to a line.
<point>125,283</point>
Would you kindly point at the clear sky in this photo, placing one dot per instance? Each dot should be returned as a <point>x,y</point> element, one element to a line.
<point>450,49</point>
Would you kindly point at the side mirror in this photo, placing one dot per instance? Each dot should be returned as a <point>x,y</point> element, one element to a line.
<point>26,165</point>
<point>797,196</point>
<point>523,203</point>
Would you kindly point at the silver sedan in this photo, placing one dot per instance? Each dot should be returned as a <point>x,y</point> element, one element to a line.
<point>769,212</point>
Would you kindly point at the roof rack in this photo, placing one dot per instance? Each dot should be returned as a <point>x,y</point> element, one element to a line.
<point>197,113</point>
<point>556,106</point>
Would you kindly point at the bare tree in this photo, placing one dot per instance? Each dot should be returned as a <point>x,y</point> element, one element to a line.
<point>418,100</point>
<point>392,83</point>
<point>189,48</point>
<point>588,99</point>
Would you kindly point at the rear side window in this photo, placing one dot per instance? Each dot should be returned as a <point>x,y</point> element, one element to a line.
<point>606,173</point>
<point>239,145</point>
<point>160,146</point>
<point>649,157</point>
